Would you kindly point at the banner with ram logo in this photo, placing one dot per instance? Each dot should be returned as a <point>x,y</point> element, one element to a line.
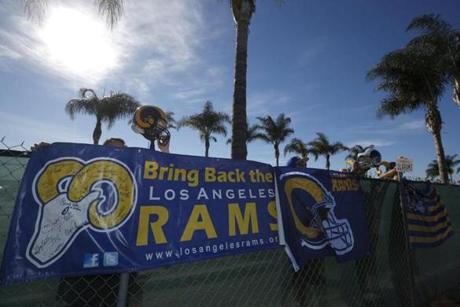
<point>86,209</point>
<point>321,214</point>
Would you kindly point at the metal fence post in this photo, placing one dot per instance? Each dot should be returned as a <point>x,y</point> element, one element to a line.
<point>123,290</point>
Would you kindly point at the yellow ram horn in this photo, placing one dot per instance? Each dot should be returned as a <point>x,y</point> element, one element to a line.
<point>96,171</point>
<point>47,183</point>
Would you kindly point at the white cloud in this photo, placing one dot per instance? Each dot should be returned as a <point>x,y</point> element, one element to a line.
<point>155,43</point>
<point>307,56</point>
<point>413,125</point>
<point>162,39</point>
<point>216,72</point>
<point>188,94</point>
<point>6,52</point>
<point>267,103</point>
<point>138,86</point>
<point>6,55</point>
<point>387,128</point>
<point>367,142</point>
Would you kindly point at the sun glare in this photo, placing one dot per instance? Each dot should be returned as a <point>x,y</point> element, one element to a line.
<point>78,43</point>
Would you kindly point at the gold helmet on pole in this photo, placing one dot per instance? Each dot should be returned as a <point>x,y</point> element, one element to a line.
<point>152,123</point>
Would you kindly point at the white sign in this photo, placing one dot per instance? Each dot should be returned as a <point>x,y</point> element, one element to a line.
<point>403,164</point>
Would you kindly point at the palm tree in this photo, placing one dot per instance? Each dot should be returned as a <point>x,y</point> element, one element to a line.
<point>251,134</point>
<point>413,80</point>
<point>106,109</point>
<point>274,131</point>
<point>322,147</point>
<point>208,122</point>
<point>354,151</point>
<point>242,12</point>
<point>432,170</point>
<point>451,162</point>
<point>297,146</point>
<point>444,43</point>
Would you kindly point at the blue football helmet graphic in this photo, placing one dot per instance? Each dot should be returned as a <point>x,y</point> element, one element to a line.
<point>312,208</point>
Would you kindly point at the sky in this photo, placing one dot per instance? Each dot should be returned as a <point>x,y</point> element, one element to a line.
<point>306,58</point>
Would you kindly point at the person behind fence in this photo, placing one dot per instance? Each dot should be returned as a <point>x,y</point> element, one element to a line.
<point>310,278</point>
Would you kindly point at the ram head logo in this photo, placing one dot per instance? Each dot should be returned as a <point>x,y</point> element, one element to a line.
<point>74,195</point>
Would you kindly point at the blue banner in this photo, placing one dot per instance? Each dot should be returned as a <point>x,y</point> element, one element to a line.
<point>86,209</point>
<point>322,214</point>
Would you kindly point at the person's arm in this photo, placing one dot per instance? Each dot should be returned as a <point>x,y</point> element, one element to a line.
<point>391,174</point>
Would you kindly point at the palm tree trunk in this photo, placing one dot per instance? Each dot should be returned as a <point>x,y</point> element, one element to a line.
<point>206,147</point>
<point>239,120</point>
<point>97,132</point>
<point>328,162</point>
<point>434,125</point>
<point>440,157</point>
<point>277,154</point>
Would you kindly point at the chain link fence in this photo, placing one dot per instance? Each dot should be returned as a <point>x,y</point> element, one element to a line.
<point>390,275</point>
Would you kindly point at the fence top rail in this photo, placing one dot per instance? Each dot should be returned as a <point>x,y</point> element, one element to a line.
<point>14,153</point>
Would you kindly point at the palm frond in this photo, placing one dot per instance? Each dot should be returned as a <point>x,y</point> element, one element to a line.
<point>252,131</point>
<point>354,151</point>
<point>172,124</point>
<point>321,146</point>
<point>116,106</point>
<point>274,130</point>
<point>429,23</point>
<point>107,109</point>
<point>297,146</point>
<point>35,9</point>
<point>85,106</point>
<point>263,137</point>
<point>432,170</point>
<point>112,10</point>
<point>219,130</point>
<point>411,77</point>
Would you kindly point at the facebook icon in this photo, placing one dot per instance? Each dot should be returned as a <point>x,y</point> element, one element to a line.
<point>91,260</point>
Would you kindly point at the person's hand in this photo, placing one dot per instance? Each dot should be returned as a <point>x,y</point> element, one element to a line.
<point>163,143</point>
<point>164,147</point>
<point>39,146</point>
